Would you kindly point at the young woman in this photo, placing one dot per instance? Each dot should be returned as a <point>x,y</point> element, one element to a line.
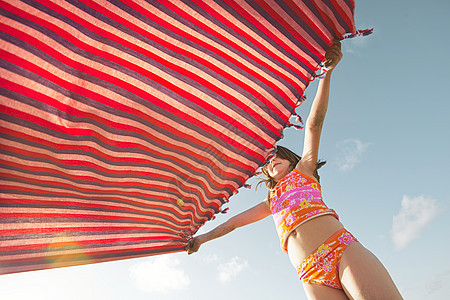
<point>330,262</point>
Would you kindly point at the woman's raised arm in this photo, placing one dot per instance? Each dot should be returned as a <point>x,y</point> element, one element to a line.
<point>314,123</point>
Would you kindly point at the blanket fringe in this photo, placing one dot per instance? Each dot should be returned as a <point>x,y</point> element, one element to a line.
<point>298,119</point>
<point>364,32</point>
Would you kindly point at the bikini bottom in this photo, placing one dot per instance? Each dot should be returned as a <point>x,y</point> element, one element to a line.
<point>322,266</point>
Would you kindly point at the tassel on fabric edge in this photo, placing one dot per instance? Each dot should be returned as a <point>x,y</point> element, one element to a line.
<point>364,32</point>
<point>300,101</point>
<point>298,127</point>
<point>294,114</point>
<point>320,71</point>
<point>221,211</point>
<point>298,119</point>
<point>224,211</point>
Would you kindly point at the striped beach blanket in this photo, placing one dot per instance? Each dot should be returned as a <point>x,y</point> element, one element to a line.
<point>126,125</point>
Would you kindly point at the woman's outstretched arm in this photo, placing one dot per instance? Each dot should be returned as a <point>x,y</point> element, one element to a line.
<point>249,216</point>
<point>314,123</point>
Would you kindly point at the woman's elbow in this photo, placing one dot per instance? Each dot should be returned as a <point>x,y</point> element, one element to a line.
<point>230,225</point>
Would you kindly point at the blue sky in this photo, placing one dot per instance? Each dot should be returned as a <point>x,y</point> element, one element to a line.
<point>387,147</point>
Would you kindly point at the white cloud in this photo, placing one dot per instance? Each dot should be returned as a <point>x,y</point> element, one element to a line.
<point>351,153</point>
<point>161,274</point>
<point>230,269</point>
<point>415,214</point>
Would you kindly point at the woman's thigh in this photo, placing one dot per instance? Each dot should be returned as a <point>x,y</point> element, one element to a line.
<point>321,292</point>
<point>363,276</point>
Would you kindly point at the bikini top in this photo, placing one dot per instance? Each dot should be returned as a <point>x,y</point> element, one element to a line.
<point>296,199</point>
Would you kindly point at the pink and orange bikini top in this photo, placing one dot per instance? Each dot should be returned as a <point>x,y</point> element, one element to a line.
<point>296,199</point>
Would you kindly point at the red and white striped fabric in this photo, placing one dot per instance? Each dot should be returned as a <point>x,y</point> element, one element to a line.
<point>126,125</point>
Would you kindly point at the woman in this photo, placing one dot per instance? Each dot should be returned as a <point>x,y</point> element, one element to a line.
<point>330,262</point>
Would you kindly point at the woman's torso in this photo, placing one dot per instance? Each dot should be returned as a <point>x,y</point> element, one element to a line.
<point>309,236</point>
<point>303,220</point>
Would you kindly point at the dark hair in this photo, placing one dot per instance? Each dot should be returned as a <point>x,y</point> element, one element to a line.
<point>285,153</point>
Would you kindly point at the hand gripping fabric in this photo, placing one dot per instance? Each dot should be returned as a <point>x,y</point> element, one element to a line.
<point>126,125</point>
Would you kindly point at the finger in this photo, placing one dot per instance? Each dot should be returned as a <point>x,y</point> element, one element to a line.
<point>329,60</point>
<point>332,60</point>
<point>334,49</point>
<point>189,246</point>
<point>328,64</point>
<point>334,52</point>
<point>333,56</point>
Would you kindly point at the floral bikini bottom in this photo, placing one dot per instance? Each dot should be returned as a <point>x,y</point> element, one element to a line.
<point>322,266</point>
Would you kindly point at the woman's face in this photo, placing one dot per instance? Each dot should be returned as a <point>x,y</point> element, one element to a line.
<point>278,168</point>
